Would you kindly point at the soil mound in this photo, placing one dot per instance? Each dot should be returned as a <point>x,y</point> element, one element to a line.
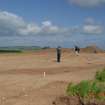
<point>92,49</point>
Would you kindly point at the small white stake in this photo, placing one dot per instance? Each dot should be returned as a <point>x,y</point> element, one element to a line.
<point>44,74</point>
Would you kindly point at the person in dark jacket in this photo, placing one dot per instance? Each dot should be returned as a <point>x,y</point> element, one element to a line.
<point>77,50</point>
<point>58,54</point>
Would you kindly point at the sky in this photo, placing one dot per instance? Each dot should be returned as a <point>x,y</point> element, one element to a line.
<point>52,23</point>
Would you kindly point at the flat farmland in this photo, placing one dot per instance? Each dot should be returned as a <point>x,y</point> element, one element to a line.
<point>22,81</point>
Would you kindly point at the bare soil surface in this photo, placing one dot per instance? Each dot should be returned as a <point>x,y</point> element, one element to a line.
<point>22,81</point>
<point>75,100</point>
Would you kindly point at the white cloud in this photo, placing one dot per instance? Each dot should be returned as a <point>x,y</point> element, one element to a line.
<point>48,27</point>
<point>89,21</point>
<point>47,23</point>
<point>11,24</point>
<point>93,29</point>
<point>88,3</point>
<point>89,27</point>
<point>30,29</point>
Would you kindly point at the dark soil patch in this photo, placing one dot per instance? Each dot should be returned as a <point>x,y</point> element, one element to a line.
<point>71,100</point>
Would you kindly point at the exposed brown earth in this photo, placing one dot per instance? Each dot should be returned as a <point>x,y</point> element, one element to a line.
<point>75,100</point>
<point>22,81</point>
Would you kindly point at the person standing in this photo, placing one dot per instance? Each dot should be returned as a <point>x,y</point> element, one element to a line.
<point>58,54</point>
<point>77,50</point>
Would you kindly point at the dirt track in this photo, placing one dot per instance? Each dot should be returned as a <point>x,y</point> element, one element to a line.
<point>22,81</point>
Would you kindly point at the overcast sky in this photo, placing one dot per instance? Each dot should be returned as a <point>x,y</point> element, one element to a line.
<point>52,22</point>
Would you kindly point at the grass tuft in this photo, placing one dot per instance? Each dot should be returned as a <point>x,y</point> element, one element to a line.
<point>100,76</point>
<point>89,89</point>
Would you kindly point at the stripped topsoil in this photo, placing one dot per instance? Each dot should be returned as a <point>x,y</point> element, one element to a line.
<point>67,100</point>
<point>22,81</point>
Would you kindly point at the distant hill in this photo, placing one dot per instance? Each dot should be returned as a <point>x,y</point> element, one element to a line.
<point>20,48</point>
<point>88,49</point>
<point>92,49</point>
